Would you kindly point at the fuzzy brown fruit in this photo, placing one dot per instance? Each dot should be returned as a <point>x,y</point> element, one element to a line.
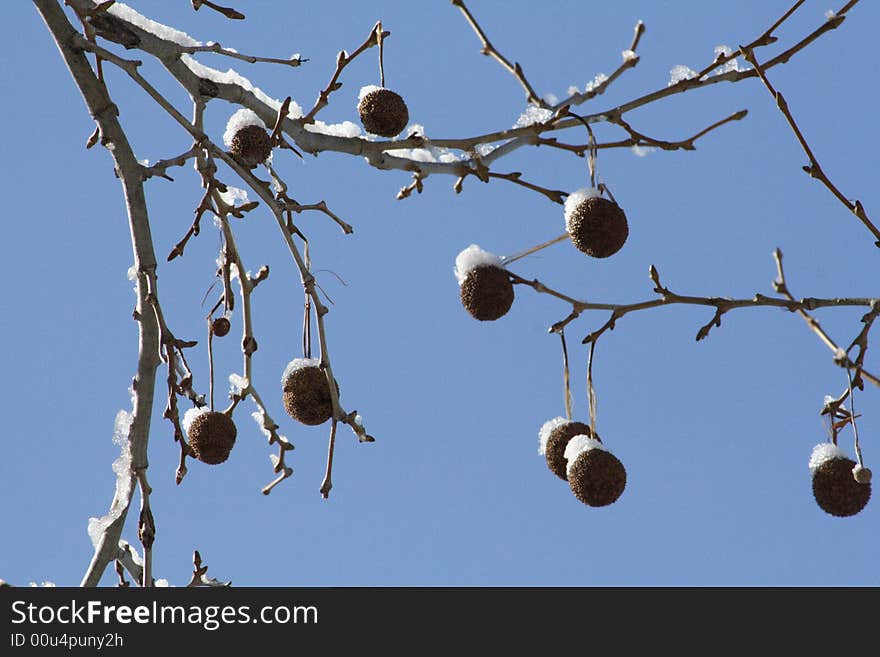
<point>558,439</point>
<point>597,477</point>
<point>250,146</point>
<point>836,490</point>
<point>220,327</point>
<point>487,293</point>
<point>211,437</point>
<point>598,227</point>
<point>307,395</point>
<point>383,112</point>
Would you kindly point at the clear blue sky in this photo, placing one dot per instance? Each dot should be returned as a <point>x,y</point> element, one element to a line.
<point>715,436</point>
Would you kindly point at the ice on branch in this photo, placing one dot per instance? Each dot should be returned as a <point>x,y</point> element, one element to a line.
<point>240,119</point>
<point>579,444</point>
<point>732,65</point>
<point>600,78</point>
<point>43,585</point>
<point>233,77</point>
<point>358,420</point>
<point>825,452</point>
<point>190,416</point>
<point>680,73</point>
<point>234,195</point>
<point>344,129</point>
<point>532,115</point>
<point>484,149</point>
<point>161,583</point>
<point>641,151</point>
<point>546,429</point>
<point>830,15</point>
<point>471,258</point>
<point>126,13</point>
<point>576,198</point>
<point>629,55</point>
<point>237,384</point>
<point>551,99</point>
<point>124,478</point>
<point>433,154</point>
<point>132,273</point>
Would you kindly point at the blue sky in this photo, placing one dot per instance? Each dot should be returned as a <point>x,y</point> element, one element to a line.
<point>715,435</point>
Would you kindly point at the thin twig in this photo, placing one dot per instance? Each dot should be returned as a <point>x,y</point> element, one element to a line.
<point>490,51</point>
<point>813,169</point>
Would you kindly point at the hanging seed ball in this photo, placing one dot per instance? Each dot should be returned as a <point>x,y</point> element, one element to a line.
<point>247,139</point>
<point>211,436</point>
<point>220,327</point>
<point>834,485</point>
<point>383,112</point>
<point>596,476</point>
<point>596,225</point>
<point>553,439</point>
<point>484,285</point>
<point>306,392</point>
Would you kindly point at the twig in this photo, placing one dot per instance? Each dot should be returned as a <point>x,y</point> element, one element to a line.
<point>490,51</point>
<point>722,306</point>
<point>216,48</point>
<point>199,576</point>
<point>840,356</point>
<point>343,59</point>
<point>814,169</point>
<point>226,11</point>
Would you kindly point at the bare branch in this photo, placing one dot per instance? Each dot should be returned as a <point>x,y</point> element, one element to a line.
<point>814,169</point>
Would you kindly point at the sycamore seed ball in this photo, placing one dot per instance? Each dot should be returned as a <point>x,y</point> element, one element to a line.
<point>306,393</point>
<point>487,293</point>
<point>597,226</point>
<point>836,489</point>
<point>557,440</point>
<point>382,111</point>
<point>595,475</point>
<point>220,327</point>
<point>211,437</point>
<point>485,287</point>
<point>251,146</point>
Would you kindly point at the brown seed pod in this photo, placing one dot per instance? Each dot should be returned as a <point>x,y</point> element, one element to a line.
<point>306,395</point>
<point>220,327</point>
<point>211,437</point>
<point>556,442</point>
<point>383,112</point>
<point>836,490</point>
<point>487,292</point>
<point>597,477</point>
<point>250,146</point>
<point>597,226</point>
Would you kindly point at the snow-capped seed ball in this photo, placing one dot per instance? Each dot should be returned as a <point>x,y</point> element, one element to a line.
<point>382,111</point>
<point>247,139</point>
<point>211,435</point>
<point>553,439</point>
<point>596,225</point>
<point>306,392</point>
<point>485,287</point>
<point>220,327</point>
<point>835,488</point>
<point>595,475</point>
